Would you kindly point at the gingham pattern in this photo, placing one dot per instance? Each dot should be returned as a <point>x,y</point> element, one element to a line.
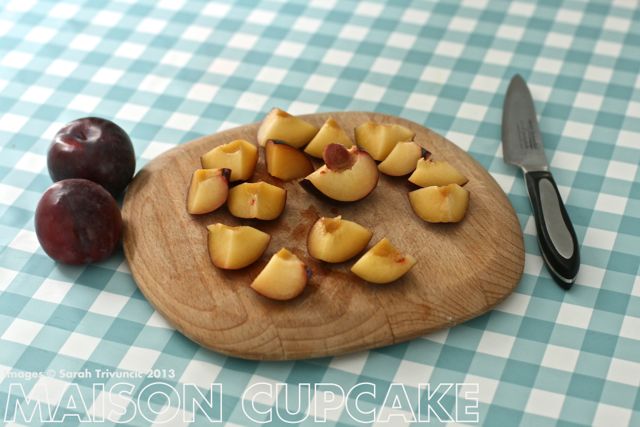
<point>171,70</point>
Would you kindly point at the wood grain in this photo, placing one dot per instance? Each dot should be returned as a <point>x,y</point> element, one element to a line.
<point>463,269</point>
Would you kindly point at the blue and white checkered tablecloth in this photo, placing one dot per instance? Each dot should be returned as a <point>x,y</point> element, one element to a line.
<point>169,71</point>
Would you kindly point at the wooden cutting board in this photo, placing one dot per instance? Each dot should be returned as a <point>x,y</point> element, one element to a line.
<point>463,269</point>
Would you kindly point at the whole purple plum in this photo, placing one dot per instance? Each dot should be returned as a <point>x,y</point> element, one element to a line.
<point>95,149</point>
<point>78,222</point>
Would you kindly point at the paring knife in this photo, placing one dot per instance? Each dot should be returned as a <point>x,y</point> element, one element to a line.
<point>522,146</point>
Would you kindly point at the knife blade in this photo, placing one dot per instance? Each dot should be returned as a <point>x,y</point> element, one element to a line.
<point>522,147</point>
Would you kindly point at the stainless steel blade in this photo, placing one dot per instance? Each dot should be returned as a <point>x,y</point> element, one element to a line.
<point>521,141</point>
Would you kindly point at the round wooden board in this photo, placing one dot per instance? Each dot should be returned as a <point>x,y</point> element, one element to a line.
<point>463,269</point>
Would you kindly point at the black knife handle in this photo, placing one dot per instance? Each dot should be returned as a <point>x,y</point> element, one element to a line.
<point>557,238</point>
